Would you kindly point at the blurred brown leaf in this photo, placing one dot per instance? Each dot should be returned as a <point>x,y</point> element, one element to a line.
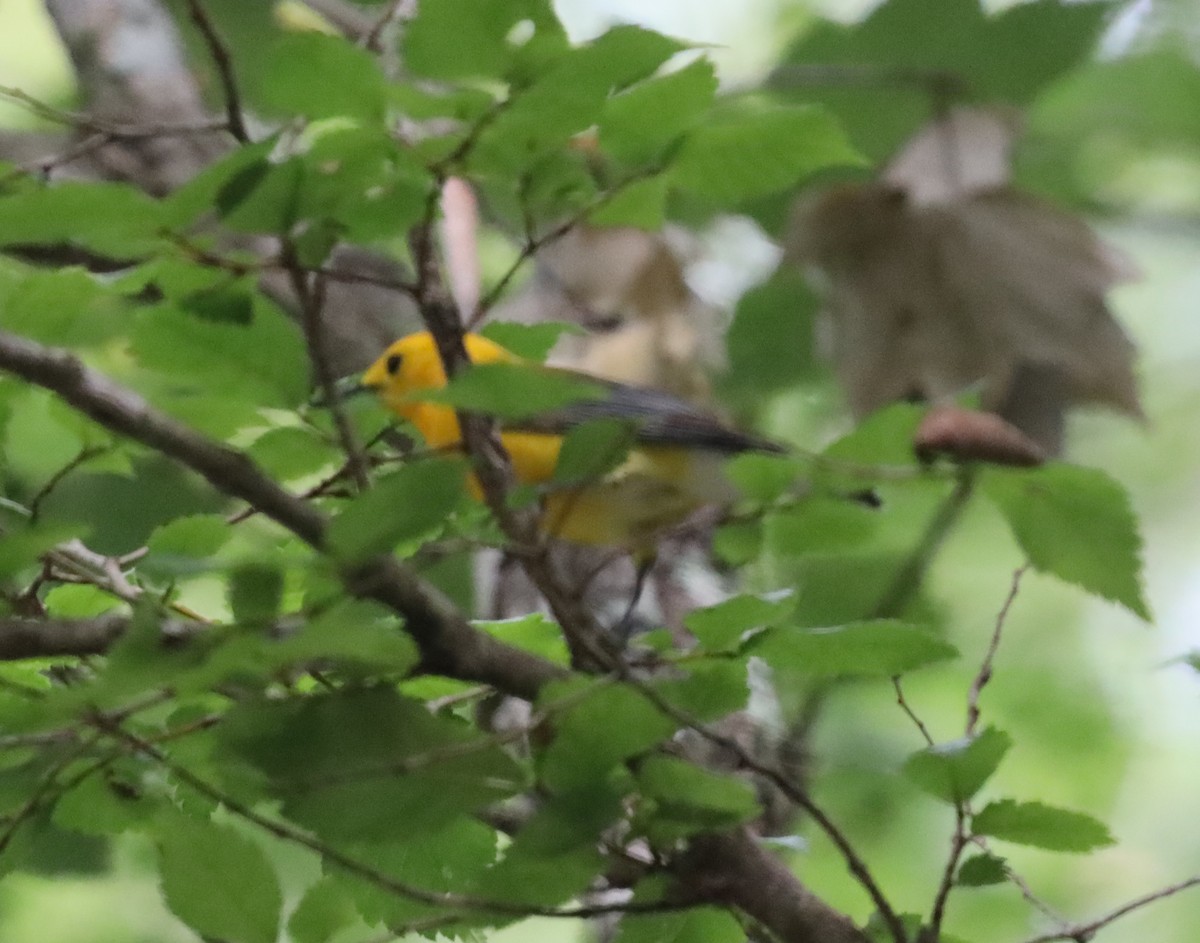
<point>626,287</point>
<point>940,276</point>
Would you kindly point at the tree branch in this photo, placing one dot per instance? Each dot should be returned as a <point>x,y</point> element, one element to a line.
<point>734,869</point>
<point>45,638</point>
<point>1084,932</point>
<point>235,120</point>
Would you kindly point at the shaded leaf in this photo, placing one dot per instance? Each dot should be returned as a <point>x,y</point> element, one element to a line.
<point>407,504</point>
<point>609,725</point>
<point>739,155</point>
<point>690,796</point>
<point>217,881</point>
<point>323,911</point>
<point>255,593</point>
<point>981,871</point>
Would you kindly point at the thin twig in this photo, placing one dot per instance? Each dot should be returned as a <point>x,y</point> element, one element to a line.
<point>1084,932</point>
<point>898,686</point>
<point>958,842</point>
<point>534,244</point>
<point>86,454</point>
<point>961,837</point>
<point>310,292</point>
<point>113,130</point>
<point>396,10</point>
<point>985,667</point>
<point>235,121</point>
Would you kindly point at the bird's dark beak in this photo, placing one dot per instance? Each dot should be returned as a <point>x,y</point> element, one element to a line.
<point>344,389</point>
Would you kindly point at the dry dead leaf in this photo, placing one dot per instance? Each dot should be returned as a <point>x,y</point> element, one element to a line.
<point>942,279</point>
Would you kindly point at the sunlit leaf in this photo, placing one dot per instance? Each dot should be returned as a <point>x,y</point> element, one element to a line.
<point>1040,825</point>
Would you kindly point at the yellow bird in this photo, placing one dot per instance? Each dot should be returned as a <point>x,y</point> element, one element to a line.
<point>674,466</point>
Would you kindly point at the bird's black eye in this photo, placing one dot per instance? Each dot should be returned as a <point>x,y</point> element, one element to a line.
<point>393,364</point>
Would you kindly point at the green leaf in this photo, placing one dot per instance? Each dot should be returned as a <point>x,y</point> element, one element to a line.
<point>187,544</point>
<point>592,450</point>
<point>709,691</point>
<point>323,911</point>
<point>764,479</point>
<point>696,925</point>
<point>104,805</point>
<point>455,857</point>
<point>641,204</point>
<point>359,185</point>
<point>884,437</point>
<point>955,771</point>
<point>292,452</point>
<point>555,856</point>
<point>352,632</point>
<point>637,124</point>
<point>79,601</point>
<point>533,633</point>
<point>264,196</point>
<point>724,625</point>
<point>1075,523</point>
<point>113,219</point>
<point>322,76</point>
<point>771,339</point>
<point>409,503</point>
<point>695,797</point>
<point>568,97</point>
<point>369,765</point>
<point>198,196</point>
<point>981,871</point>
<point>462,39</point>
<point>67,306</point>
<point>512,391</point>
<point>23,548</point>
<point>608,726</point>
<point>255,593</point>
<point>736,156</point>
<point>531,341</point>
<point>821,525</point>
<point>880,648</point>
<point>1150,100</point>
<point>218,882</point>
<point>1042,826</point>
<point>930,36</point>
<point>263,361</point>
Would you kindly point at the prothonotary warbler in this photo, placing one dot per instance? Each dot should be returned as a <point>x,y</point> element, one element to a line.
<point>674,465</point>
